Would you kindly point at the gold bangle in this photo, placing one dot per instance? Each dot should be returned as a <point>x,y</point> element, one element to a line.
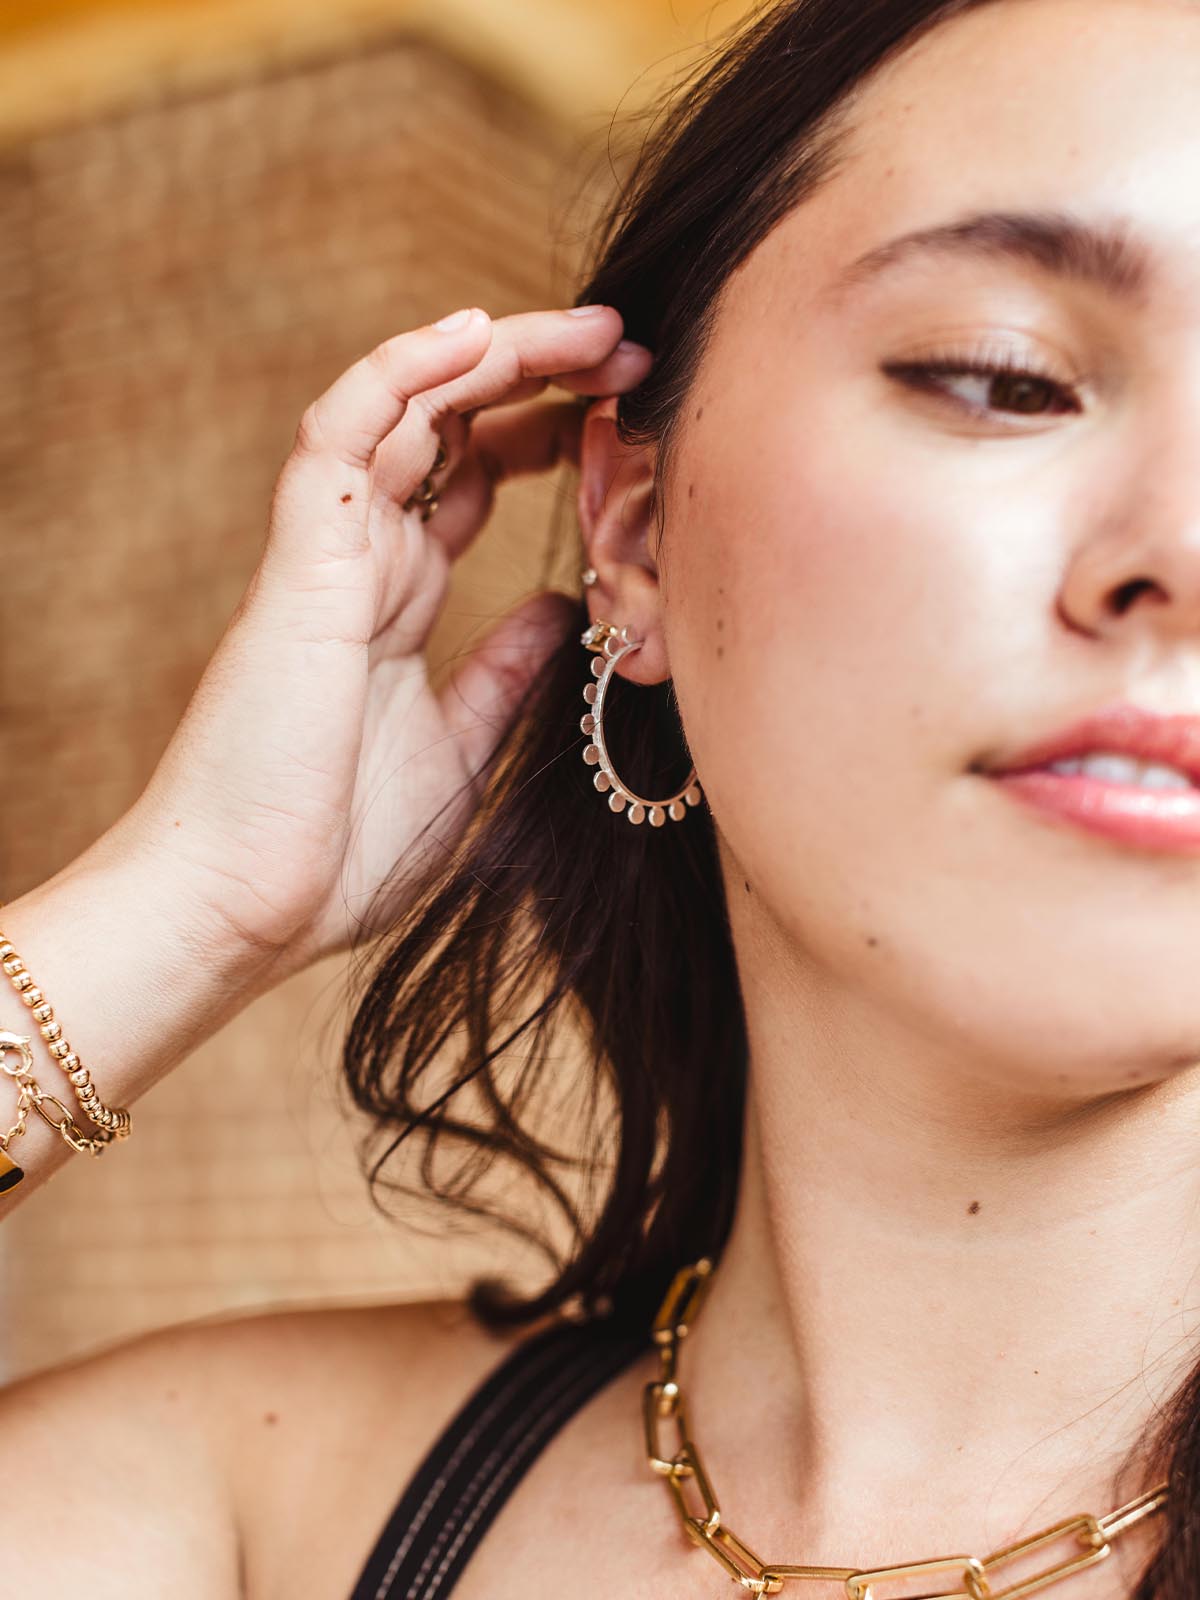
<point>112,1122</point>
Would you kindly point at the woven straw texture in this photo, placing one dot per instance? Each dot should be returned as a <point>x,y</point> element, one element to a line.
<point>176,283</point>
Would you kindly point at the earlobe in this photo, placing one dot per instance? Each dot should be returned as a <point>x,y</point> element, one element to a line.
<point>616,515</point>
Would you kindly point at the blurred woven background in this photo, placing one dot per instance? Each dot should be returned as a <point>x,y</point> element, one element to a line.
<point>206,212</point>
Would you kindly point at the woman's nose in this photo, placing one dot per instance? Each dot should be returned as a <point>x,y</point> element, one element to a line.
<point>1138,566</point>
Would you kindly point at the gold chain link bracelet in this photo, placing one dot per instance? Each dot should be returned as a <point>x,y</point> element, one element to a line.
<point>111,1122</point>
<point>973,1576</point>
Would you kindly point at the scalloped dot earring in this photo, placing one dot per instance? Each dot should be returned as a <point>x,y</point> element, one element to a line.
<point>605,639</point>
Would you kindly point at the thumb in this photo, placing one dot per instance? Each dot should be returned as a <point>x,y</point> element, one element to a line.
<point>483,693</point>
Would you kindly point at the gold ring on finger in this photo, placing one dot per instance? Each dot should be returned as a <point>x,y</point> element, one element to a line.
<point>426,495</point>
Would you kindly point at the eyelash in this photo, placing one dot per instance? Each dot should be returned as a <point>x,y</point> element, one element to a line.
<point>919,375</point>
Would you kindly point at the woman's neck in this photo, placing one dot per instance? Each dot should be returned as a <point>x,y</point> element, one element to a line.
<point>942,1318</point>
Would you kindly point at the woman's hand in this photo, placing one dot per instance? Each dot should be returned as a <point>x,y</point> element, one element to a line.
<point>313,751</point>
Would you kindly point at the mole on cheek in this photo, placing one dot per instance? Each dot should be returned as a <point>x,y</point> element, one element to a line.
<point>271,1416</point>
<point>346,499</point>
<point>973,1207</point>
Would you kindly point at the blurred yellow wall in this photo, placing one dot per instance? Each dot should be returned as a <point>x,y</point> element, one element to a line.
<point>576,59</point>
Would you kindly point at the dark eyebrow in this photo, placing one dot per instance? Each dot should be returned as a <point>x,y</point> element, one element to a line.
<point>1057,242</point>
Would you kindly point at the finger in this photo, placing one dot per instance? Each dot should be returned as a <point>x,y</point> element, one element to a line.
<point>349,421</point>
<point>623,369</point>
<point>408,455</point>
<point>395,460</point>
<point>506,443</point>
<point>487,686</point>
<point>528,351</point>
<point>320,503</point>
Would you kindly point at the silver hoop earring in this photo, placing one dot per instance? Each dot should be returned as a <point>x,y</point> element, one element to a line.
<point>604,638</point>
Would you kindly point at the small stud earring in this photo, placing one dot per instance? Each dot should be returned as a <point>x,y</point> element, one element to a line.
<point>590,576</point>
<point>605,639</point>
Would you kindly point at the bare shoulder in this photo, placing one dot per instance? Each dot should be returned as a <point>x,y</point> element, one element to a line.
<point>202,1452</point>
<point>322,1415</point>
<point>248,1456</point>
<point>116,1487</point>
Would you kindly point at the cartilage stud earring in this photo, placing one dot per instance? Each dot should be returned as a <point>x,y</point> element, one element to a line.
<point>605,639</point>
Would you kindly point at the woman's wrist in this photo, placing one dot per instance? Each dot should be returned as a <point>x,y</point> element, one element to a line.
<point>139,972</point>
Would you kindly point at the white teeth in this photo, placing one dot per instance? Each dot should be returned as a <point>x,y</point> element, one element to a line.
<point>1124,769</point>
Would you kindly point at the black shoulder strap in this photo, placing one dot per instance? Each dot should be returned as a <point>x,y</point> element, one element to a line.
<point>478,1459</point>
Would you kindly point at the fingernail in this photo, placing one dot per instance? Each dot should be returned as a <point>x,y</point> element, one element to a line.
<point>456,320</point>
<point>629,345</point>
<point>585,311</point>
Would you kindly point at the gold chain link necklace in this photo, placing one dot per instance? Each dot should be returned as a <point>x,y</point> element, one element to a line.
<point>973,1576</point>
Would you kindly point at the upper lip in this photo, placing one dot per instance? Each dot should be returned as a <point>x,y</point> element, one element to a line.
<point>1122,729</point>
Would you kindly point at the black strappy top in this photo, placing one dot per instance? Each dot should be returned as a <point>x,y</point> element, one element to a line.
<point>482,1453</point>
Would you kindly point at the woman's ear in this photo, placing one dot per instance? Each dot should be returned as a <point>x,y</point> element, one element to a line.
<point>616,514</point>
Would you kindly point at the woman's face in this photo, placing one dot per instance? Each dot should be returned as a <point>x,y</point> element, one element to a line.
<point>870,585</point>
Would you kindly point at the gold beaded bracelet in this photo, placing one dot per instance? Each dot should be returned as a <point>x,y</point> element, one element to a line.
<point>111,1122</point>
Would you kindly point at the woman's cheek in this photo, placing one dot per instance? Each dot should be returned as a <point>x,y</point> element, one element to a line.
<point>793,669</point>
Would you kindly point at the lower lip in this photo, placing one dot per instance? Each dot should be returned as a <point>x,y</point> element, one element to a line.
<point>1156,819</point>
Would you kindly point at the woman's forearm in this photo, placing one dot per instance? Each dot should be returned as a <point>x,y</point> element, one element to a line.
<point>137,975</point>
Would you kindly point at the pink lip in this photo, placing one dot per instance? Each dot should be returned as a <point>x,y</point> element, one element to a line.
<point>1157,819</point>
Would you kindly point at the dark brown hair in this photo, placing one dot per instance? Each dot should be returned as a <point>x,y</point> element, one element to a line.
<point>554,911</point>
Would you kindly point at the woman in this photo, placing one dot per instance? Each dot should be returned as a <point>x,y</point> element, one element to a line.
<point>903,519</point>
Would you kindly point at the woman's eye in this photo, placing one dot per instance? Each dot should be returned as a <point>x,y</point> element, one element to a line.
<point>993,386</point>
